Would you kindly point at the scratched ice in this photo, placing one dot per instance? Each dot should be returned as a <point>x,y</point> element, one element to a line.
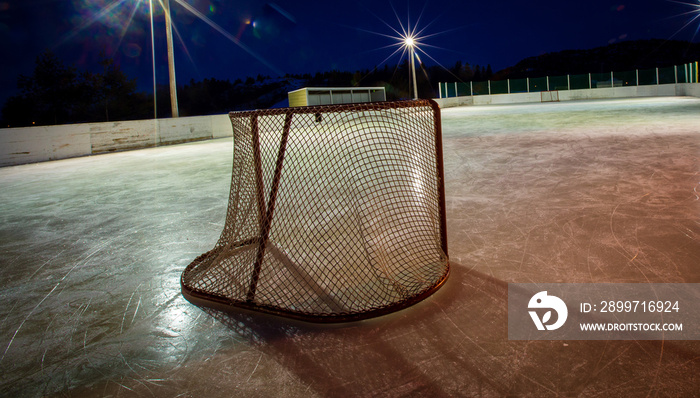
<point>91,252</point>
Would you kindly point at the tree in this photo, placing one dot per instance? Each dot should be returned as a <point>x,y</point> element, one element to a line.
<point>51,90</point>
<point>457,69</point>
<point>57,94</point>
<point>467,73</point>
<point>488,74</point>
<point>113,89</point>
<point>478,76</point>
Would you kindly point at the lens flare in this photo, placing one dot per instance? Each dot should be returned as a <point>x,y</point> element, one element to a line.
<point>233,39</point>
<point>110,15</point>
<point>132,50</point>
<point>693,16</point>
<point>116,17</point>
<point>408,38</point>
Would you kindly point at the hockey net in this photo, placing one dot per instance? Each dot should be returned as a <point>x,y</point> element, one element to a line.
<point>549,96</point>
<point>335,213</point>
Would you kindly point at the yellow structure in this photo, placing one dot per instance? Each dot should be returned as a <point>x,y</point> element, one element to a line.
<point>310,96</point>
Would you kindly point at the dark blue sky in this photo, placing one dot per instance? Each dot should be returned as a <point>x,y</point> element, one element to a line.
<point>227,39</point>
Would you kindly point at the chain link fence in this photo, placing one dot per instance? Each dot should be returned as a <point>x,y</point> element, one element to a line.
<point>686,73</point>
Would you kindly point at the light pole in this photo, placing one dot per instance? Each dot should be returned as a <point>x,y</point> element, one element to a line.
<point>153,59</point>
<point>171,59</point>
<point>411,48</point>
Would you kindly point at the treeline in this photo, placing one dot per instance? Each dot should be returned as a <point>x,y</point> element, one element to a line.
<point>212,96</point>
<point>617,57</point>
<point>58,94</point>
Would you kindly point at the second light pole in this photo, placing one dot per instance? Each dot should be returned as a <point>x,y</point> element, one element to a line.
<point>411,48</point>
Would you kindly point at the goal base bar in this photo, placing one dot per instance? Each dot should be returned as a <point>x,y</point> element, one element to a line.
<point>219,303</point>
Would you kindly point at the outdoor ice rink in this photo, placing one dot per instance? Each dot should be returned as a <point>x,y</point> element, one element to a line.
<point>92,249</point>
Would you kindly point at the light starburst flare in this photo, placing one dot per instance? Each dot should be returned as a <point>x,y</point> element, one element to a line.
<point>408,40</point>
<point>693,15</point>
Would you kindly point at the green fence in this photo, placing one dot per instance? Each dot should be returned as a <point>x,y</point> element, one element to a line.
<point>686,73</point>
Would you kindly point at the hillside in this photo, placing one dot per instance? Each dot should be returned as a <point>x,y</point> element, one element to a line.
<point>628,55</point>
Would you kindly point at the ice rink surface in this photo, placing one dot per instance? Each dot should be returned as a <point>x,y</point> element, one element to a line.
<point>91,252</point>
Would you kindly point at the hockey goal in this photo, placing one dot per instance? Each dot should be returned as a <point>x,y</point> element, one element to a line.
<point>550,96</point>
<point>336,213</point>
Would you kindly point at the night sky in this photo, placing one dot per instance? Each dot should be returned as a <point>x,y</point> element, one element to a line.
<point>227,39</point>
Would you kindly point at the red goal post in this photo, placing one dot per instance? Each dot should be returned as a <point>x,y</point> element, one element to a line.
<point>549,96</point>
